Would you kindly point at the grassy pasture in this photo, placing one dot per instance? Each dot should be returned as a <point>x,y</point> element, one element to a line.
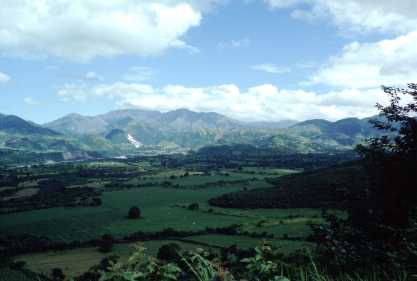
<point>26,192</point>
<point>285,246</point>
<point>159,206</point>
<point>78,261</point>
<point>7,274</point>
<point>4,188</point>
<point>70,224</point>
<point>75,262</point>
<point>156,203</point>
<point>199,179</point>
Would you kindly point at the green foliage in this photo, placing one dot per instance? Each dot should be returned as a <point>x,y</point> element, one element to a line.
<point>140,267</point>
<point>322,188</point>
<point>262,265</point>
<point>390,161</point>
<point>204,269</point>
<point>381,228</point>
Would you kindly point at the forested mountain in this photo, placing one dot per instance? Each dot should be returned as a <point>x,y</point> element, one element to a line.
<point>15,124</point>
<point>134,131</point>
<point>322,135</point>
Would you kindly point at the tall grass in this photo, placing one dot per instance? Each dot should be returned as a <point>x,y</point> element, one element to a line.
<point>199,265</point>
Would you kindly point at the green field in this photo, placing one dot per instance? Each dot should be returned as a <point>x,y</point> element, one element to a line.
<point>162,207</point>
<point>218,240</point>
<point>156,204</point>
<point>70,224</point>
<point>75,262</point>
<point>7,274</point>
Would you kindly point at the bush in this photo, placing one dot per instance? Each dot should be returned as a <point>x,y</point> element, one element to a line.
<point>106,243</point>
<point>134,213</point>
<point>18,265</point>
<point>193,207</point>
<point>169,252</point>
<point>57,274</point>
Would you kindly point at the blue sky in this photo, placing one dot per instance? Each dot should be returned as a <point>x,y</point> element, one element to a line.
<point>251,60</point>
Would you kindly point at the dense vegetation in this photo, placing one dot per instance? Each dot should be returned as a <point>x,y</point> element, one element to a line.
<point>324,188</point>
<point>381,226</point>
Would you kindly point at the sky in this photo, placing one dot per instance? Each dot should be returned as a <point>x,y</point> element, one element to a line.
<point>252,60</point>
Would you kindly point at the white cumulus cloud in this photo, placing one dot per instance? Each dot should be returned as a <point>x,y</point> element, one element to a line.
<point>259,103</point>
<point>271,68</point>
<point>81,30</point>
<point>367,65</point>
<point>357,15</point>
<point>4,77</point>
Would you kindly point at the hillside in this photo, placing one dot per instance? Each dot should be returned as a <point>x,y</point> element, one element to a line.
<point>16,125</point>
<point>322,135</point>
<point>23,142</point>
<point>323,188</point>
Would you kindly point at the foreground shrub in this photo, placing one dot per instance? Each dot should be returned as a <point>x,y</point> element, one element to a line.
<point>203,265</point>
<point>139,267</point>
<point>106,243</point>
<point>169,252</point>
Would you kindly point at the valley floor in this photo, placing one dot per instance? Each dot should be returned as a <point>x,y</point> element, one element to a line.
<point>164,196</point>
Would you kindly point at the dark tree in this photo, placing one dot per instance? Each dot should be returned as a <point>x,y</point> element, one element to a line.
<point>105,244</point>
<point>18,265</point>
<point>169,252</point>
<point>194,207</point>
<point>89,276</point>
<point>106,262</point>
<point>57,274</point>
<point>134,213</point>
<point>380,229</point>
<point>96,201</point>
<point>391,161</point>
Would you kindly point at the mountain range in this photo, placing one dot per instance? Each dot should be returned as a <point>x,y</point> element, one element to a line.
<point>134,131</point>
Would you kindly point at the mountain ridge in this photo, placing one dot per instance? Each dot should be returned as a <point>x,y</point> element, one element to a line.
<point>136,131</point>
<point>13,123</point>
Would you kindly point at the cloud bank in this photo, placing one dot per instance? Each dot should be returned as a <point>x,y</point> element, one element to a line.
<point>259,103</point>
<point>356,15</point>
<point>366,65</point>
<point>81,30</point>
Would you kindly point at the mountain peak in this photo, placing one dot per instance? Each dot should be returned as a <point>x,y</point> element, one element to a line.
<point>15,124</point>
<point>314,122</point>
